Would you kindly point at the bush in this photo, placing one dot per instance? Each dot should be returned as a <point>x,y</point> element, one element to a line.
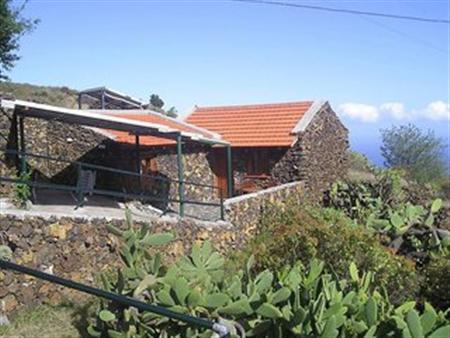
<point>436,285</point>
<point>291,302</point>
<point>359,162</point>
<point>303,234</point>
<point>386,206</point>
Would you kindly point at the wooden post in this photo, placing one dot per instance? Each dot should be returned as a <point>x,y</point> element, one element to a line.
<point>180,174</point>
<point>230,178</point>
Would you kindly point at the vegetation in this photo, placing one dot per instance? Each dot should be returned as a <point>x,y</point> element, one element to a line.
<point>296,301</point>
<point>157,104</point>
<point>58,96</point>
<point>22,190</point>
<point>410,148</point>
<point>302,234</point>
<point>436,286</point>
<point>12,27</point>
<point>384,207</point>
<point>47,321</point>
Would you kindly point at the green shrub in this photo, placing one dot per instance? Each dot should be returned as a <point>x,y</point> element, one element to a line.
<point>436,283</point>
<point>291,302</point>
<point>359,162</point>
<point>307,233</point>
<point>22,190</point>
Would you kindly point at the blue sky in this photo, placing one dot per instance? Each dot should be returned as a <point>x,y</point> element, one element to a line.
<point>375,72</point>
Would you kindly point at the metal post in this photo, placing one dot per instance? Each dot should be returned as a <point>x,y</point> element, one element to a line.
<point>80,194</point>
<point>79,100</point>
<point>222,207</point>
<point>23,160</point>
<point>103,100</point>
<point>138,160</point>
<point>180,174</point>
<point>230,178</point>
<point>15,133</point>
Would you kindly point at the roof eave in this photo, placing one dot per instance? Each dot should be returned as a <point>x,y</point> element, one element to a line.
<point>306,119</point>
<point>86,116</point>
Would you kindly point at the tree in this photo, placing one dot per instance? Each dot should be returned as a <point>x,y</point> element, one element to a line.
<point>12,27</point>
<point>156,101</point>
<point>418,152</point>
<point>172,112</point>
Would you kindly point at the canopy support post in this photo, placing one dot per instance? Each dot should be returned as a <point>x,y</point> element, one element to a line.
<point>230,179</point>
<point>180,174</point>
<point>23,161</point>
<point>103,102</point>
<point>138,160</point>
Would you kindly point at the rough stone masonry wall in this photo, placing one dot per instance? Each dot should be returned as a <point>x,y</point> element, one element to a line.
<point>79,249</point>
<point>77,143</point>
<point>54,139</point>
<point>245,212</point>
<point>197,169</point>
<point>319,156</point>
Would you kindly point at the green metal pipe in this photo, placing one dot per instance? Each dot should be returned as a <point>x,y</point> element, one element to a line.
<point>230,179</point>
<point>180,174</point>
<point>138,160</point>
<point>23,159</point>
<point>220,329</point>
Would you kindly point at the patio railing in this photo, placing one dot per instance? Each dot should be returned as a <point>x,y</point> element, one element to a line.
<point>139,192</point>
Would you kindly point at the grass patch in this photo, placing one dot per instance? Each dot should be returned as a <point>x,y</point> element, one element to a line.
<point>48,322</point>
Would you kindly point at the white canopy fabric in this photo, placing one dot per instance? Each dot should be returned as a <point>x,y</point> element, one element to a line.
<point>103,121</point>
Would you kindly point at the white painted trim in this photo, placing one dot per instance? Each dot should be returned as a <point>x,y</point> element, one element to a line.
<point>159,115</point>
<point>7,104</point>
<point>106,89</point>
<point>308,116</point>
<point>89,115</point>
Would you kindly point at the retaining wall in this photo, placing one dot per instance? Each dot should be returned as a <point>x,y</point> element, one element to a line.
<point>78,248</point>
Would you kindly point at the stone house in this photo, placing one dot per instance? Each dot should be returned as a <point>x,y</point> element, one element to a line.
<point>271,144</point>
<point>277,143</point>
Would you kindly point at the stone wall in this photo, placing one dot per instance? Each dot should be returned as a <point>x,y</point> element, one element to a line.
<point>245,212</point>
<point>264,158</point>
<point>197,169</point>
<point>79,249</point>
<point>77,143</point>
<point>58,140</point>
<point>319,156</point>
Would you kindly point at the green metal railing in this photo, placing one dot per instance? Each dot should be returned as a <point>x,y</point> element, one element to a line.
<point>21,158</point>
<point>220,329</point>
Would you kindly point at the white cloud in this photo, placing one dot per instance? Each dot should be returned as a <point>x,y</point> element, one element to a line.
<point>437,110</point>
<point>396,109</point>
<point>363,112</point>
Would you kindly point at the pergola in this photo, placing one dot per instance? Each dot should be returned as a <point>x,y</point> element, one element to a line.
<point>109,99</point>
<point>23,109</point>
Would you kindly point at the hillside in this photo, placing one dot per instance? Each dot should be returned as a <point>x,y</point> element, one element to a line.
<point>58,96</point>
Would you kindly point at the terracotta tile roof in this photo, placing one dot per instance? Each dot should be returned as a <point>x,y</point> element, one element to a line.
<point>252,125</point>
<point>154,117</point>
